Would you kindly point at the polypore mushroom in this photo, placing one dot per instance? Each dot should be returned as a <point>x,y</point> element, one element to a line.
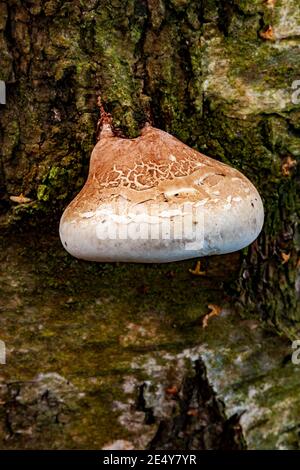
<point>154,199</point>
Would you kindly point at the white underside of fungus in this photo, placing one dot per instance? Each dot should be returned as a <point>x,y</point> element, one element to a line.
<point>154,199</point>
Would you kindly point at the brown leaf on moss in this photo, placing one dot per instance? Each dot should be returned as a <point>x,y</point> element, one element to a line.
<point>215,312</point>
<point>268,34</point>
<point>287,165</point>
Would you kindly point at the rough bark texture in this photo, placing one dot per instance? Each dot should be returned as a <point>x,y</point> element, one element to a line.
<point>216,74</point>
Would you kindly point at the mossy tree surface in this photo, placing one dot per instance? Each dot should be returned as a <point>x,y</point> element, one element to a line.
<point>216,74</point>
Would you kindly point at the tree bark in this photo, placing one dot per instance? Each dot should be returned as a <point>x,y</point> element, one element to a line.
<point>219,75</point>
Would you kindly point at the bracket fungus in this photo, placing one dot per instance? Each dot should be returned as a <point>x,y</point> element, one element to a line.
<point>153,199</point>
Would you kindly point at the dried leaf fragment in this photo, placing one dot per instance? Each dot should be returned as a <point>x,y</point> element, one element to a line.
<point>192,412</point>
<point>268,34</point>
<point>270,3</point>
<point>215,312</point>
<point>287,165</point>
<point>172,390</point>
<point>21,199</point>
<point>285,257</point>
<point>197,271</point>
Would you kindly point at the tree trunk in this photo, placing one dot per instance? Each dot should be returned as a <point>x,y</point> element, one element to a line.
<point>222,77</point>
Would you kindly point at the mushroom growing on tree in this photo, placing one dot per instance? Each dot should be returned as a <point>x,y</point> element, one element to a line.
<point>154,199</point>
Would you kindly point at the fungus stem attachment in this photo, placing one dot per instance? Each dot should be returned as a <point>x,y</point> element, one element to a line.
<point>104,125</point>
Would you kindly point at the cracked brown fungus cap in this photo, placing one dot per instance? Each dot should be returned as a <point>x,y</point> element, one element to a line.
<point>154,199</point>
